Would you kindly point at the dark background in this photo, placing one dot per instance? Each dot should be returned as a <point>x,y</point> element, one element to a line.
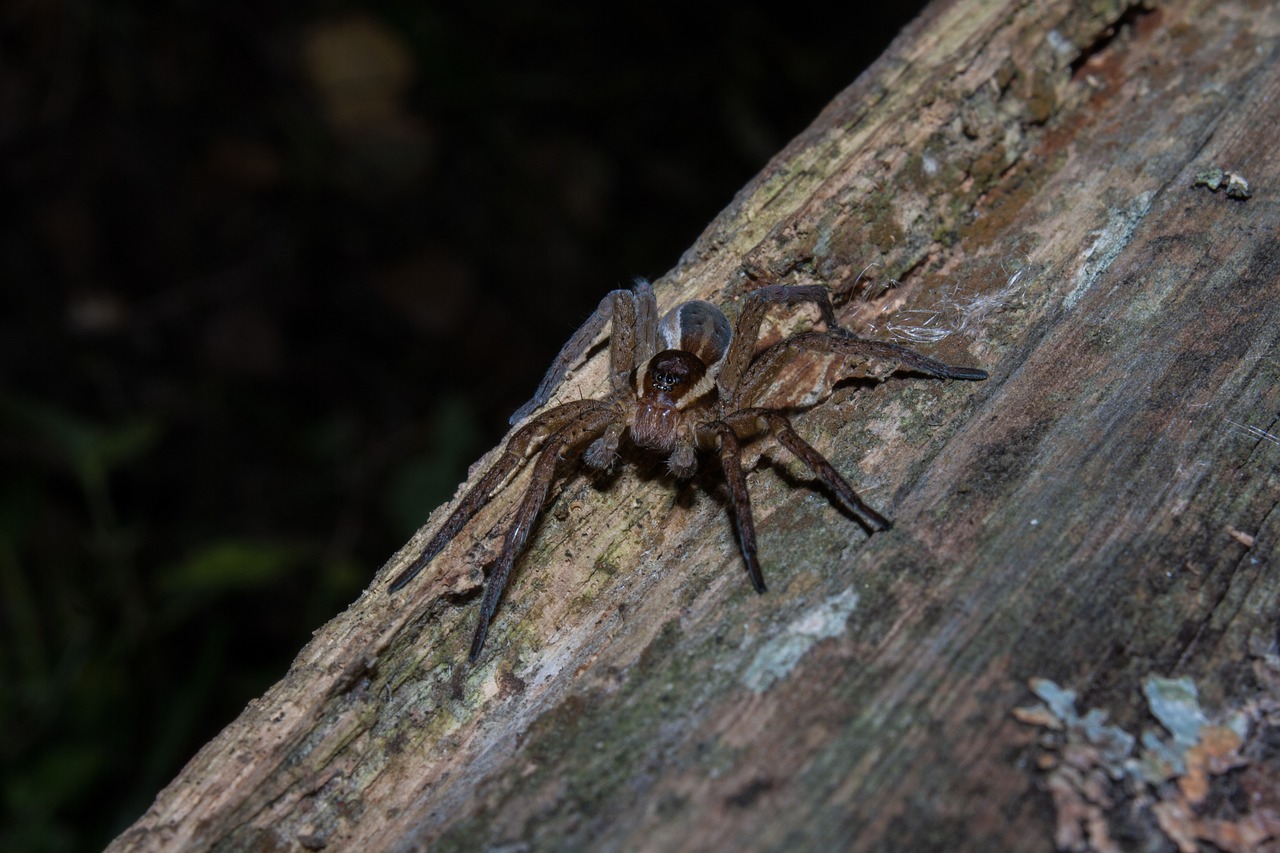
<point>271,279</point>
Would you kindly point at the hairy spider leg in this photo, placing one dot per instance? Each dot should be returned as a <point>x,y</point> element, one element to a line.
<point>632,316</point>
<point>749,423</point>
<point>576,433</point>
<point>739,500</point>
<point>633,319</point>
<point>633,334</point>
<point>569,354</point>
<point>739,363</point>
<point>756,421</point>
<point>842,342</point>
<point>747,331</point>
<point>603,452</point>
<point>847,343</point>
<point>646,336</point>
<point>514,456</point>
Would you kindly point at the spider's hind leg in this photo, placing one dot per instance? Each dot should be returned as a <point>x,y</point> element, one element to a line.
<point>750,422</point>
<point>739,500</point>
<point>780,426</point>
<point>818,464</point>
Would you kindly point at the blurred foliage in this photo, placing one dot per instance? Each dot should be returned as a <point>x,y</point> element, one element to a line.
<point>271,279</point>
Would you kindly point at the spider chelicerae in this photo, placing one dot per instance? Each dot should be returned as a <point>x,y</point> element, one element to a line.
<point>683,384</point>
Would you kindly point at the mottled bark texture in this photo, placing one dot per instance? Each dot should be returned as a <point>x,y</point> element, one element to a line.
<point>1102,510</point>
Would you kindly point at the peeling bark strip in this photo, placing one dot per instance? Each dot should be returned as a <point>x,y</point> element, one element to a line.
<point>1102,511</point>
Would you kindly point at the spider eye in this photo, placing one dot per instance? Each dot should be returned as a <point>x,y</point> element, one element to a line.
<point>671,373</point>
<point>666,380</point>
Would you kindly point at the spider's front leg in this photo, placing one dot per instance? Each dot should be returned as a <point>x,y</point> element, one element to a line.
<point>633,321</point>
<point>521,446</point>
<point>603,452</point>
<point>573,435</point>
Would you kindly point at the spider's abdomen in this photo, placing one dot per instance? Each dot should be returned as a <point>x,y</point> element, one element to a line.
<point>699,328</point>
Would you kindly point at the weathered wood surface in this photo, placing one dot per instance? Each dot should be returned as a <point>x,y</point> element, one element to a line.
<point>1103,509</point>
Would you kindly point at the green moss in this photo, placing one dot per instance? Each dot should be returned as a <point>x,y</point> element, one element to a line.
<point>879,214</point>
<point>1043,102</point>
<point>590,747</point>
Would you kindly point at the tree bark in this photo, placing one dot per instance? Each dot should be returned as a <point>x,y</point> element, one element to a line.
<point>1102,510</point>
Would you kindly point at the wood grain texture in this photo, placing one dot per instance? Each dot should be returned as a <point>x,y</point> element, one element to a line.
<point>1026,171</point>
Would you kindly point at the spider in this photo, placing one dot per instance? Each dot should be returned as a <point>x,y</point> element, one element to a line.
<point>683,384</point>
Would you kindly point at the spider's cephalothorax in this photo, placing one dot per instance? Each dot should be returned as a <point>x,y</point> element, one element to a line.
<point>702,391</point>
<point>671,378</point>
<point>697,335</point>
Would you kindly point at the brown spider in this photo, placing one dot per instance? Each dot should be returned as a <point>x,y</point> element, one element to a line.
<point>696,393</point>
